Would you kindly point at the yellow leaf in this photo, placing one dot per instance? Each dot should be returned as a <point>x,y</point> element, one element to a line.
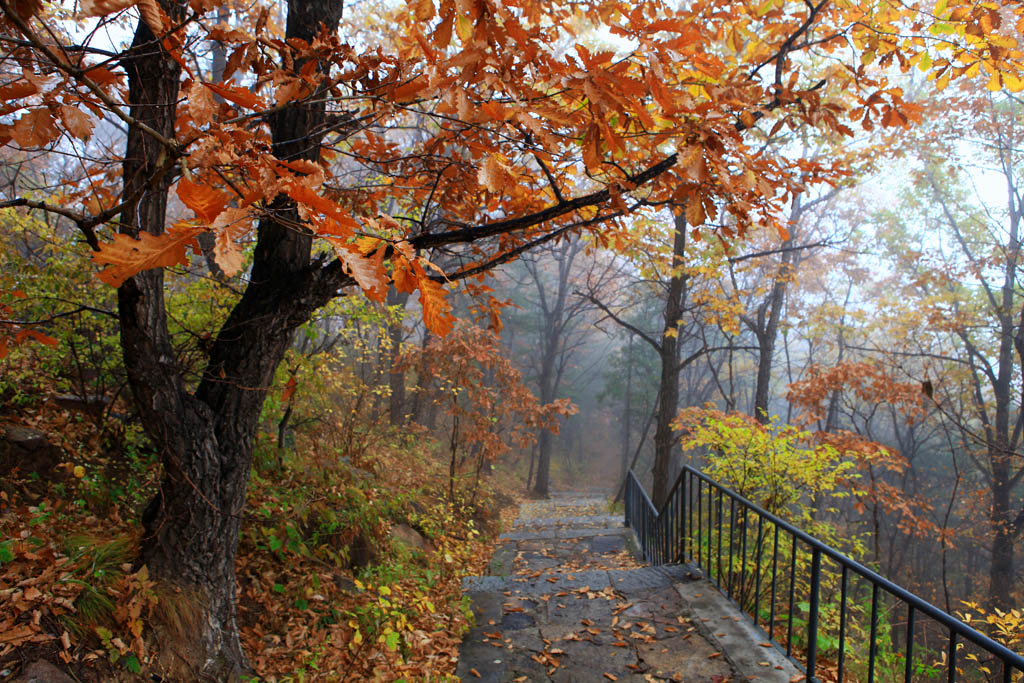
<point>464,27</point>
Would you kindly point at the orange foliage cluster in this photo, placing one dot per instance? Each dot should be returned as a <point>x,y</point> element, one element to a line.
<point>490,407</point>
<point>868,383</point>
<point>872,385</point>
<point>551,140</point>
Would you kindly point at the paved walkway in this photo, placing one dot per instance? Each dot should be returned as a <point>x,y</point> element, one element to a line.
<point>566,601</point>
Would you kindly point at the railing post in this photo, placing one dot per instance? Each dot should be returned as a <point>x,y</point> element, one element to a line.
<point>812,622</point>
<point>626,500</point>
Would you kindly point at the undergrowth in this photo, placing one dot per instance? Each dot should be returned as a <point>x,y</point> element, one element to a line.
<point>327,591</point>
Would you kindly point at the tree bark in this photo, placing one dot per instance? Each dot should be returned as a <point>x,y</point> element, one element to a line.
<point>206,439</point>
<point>668,388</point>
<point>396,377</point>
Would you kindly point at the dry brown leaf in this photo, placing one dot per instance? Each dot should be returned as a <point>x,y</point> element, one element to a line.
<point>76,121</point>
<point>35,128</point>
<point>100,8</point>
<point>201,104</point>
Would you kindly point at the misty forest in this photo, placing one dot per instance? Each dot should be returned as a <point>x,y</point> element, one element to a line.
<point>301,301</point>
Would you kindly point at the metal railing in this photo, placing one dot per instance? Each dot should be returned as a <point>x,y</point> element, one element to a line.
<point>828,613</point>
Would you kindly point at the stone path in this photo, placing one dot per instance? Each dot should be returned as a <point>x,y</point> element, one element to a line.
<point>566,601</point>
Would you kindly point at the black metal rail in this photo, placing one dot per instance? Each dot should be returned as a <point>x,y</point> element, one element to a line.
<point>826,611</point>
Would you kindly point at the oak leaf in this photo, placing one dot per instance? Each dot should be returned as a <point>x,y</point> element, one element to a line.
<point>100,8</point>
<point>436,309</point>
<point>423,10</point>
<point>695,211</point>
<point>240,96</point>
<point>125,256</point>
<point>201,104</point>
<point>35,128</point>
<point>76,121</point>
<point>368,272</point>
<point>204,200</point>
<point>230,225</point>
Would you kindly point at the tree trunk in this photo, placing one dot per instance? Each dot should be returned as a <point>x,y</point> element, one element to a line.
<point>545,439</point>
<point>668,387</point>
<point>627,417</point>
<point>396,377</point>
<point>205,440</point>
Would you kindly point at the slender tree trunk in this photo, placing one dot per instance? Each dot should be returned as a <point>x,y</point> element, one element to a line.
<point>668,387</point>
<point>396,377</point>
<point>627,416</point>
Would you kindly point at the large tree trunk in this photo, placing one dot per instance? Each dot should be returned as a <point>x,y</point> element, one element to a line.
<point>205,440</point>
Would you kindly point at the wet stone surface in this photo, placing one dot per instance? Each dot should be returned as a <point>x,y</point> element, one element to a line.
<point>568,602</point>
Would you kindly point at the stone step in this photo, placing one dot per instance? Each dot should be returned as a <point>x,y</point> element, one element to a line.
<point>582,522</point>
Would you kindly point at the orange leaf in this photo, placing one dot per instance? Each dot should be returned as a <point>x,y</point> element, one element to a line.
<point>42,339</point>
<point>231,225</point>
<point>407,92</point>
<point>76,121</point>
<point>367,272</point>
<point>124,257</point>
<point>343,224</point>
<point>100,8</point>
<point>240,96</point>
<point>402,276</point>
<point>289,389</point>
<point>423,9</point>
<point>35,128</point>
<point>436,309</point>
<point>695,211</point>
<point>205,201</point>
<point>201,104</point>
<point>17,90</point>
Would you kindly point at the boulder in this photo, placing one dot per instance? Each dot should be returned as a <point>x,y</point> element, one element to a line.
<point>405,534</point>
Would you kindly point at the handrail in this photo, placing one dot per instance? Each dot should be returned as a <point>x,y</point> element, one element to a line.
<point>667,534</point>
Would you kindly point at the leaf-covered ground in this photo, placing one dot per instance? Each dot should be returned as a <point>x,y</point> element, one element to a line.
<point>347,570</point>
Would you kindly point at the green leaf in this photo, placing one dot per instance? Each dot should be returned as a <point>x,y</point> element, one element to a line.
<point>131,662</point>
<point>392,641</point>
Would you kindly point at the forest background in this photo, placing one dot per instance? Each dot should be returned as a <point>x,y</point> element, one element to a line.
<point>779,240</point>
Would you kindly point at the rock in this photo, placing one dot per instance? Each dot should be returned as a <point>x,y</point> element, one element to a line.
<point>405,534</point>
<point>27,450</point>
<point>42,672</point>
